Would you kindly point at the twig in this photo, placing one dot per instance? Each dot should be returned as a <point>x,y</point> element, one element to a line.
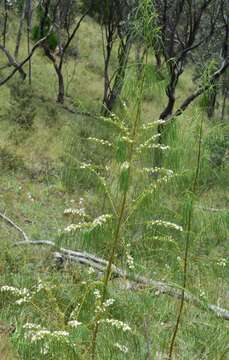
<point>9,221</point>
<point>212,209</point>
<point>137,281</point>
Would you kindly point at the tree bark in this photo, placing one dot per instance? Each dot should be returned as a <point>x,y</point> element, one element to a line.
<point>115,91</point>
<point>5,23</point>
<point>19,33</point>
<point>60,97</point>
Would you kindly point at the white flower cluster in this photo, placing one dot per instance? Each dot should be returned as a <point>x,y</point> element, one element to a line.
<point>125,165</point>
<point>99,221</point>
<point>152,124</point>
<point>130,261</point>
<point>127,139</point>
<point>74,323</point>
<point>40,286</point>
<point>166,224</point>
<point>97,294</point>
<point>85,166</point>
<point>117,324</point>
<point>168,172</point>
<point>147,143</point>
<point>108,302</point>
<point>222,262</point>
<point>74,313</point>
<point>158,146</point>
<point>100,141</point>
<point>14,290</point>
<point>202,294</point>
<point>24,293</point>
<point>79,212</point>
<point>129,258</point>
<point>79,226</point>
<point>101,308</point>
<point>36,333</point>
<point>124,349</point>
<point>31,326</point>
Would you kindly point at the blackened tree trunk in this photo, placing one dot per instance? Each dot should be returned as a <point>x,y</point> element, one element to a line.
<point>61,90</point>
<point>29,26</point>
<point>5,22</point>
<point>114,91</point>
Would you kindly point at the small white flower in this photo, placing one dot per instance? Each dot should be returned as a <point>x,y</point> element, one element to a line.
<point>97,294</point>
<point>102,219</point>
<point>60,333</point>
<point>44,349</point>
<point>125,165</point>
<point>74,323</point>
<point>100,141</point>
<point>122,348</point>
<point>116,323</point>
<point>108,302</point>
<point>202,294</point>
<point>166,224</point>
<point>222,262</point>
<point>31,326</point>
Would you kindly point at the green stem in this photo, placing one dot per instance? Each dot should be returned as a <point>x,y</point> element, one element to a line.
<point>120,220</point>
<point>187,243</point>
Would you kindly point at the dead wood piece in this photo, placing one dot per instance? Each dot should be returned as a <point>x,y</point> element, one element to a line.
<point>136,281</point>
<point>210,209</point>
<point>9,221</point>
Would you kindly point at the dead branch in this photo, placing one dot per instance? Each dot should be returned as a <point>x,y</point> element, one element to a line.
<point>9,221</point>
<point>12,61</point>
<point>21,64</point>
<point>136,281</point>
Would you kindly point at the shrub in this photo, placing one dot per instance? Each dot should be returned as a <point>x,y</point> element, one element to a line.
<point>22,110</point>
<point>9,161</point>
<point>217,144</point>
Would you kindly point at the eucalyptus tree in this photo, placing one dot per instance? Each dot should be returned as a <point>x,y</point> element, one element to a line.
<point>210,56</point>
<point>62,17</point>
<point>187,26</point>
<point>114,18</point>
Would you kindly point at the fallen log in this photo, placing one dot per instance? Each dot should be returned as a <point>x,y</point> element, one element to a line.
<point>136,281</point>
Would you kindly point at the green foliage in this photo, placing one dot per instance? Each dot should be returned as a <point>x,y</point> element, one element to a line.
<point>38,203</point>
<point>144,25</point>
<point>52,39</point>
<point>207,72</point>
<point>217,145</point>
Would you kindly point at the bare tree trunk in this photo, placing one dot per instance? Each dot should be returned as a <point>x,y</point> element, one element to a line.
<point>29,23</point>
<point>18,39</point>
<point>175,73</point>
<point>115,91</point>
<point>60,97</point>
<point>5,22</point>
<point>106,72</point>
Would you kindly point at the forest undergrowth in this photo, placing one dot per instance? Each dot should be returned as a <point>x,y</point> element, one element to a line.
<point>90,184</point>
